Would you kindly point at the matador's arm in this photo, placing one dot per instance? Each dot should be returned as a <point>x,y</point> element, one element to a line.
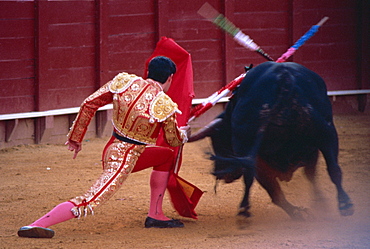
<point>87,111</point>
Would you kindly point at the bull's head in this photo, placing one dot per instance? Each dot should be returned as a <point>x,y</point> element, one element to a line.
<point>226,166</point>
<point>227,169</point>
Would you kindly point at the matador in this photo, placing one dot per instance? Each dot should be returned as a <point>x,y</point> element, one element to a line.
<point>141,109</point>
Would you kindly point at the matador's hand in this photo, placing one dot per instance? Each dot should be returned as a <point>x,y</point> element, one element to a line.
<point>74,146</point>
<point>187,132</point>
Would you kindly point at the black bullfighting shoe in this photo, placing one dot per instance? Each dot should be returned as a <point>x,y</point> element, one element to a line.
<point>150,222</point>
<point>35,232</point>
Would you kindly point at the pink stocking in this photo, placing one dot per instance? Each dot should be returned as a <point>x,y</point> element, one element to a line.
<point>158,185</point>
<point>60,213</point>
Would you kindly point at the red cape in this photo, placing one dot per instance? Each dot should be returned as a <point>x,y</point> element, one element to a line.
<point>184,195</point>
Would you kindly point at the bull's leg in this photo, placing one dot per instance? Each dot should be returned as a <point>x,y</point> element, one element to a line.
<point>345,204</point>
<point>329,148</point>
<point>248,178</point>
<point>268,180</point>
<point>310,167</point>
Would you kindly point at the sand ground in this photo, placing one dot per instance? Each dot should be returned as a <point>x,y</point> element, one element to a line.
<point>35,178</point>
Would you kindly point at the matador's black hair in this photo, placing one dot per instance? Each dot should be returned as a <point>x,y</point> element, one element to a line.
<point>160,68</point>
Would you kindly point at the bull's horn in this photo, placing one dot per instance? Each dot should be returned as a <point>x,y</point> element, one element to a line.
<point>206,130</point>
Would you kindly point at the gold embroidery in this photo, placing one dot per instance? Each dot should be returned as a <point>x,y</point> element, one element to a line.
<point>86,112</point>
<point>131,113</point>
<point>118,162</point>
<point>170,129</point>
<point>121,82</point>
<point>162,107</point>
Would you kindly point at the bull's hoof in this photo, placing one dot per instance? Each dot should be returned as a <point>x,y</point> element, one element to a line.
<point>300,214</point>
<point>243,212</point>
<point>346,208</point>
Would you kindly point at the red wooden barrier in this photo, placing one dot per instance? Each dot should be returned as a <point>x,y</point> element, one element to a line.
<point>55,53</point>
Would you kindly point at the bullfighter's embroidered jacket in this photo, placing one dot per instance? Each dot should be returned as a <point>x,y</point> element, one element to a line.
<point>140,110</point>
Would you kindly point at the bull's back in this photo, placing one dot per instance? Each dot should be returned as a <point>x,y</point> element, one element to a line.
<point>282,101</point>
<point>266,81</point>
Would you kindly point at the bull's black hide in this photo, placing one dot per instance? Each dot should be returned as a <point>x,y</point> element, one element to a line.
<point>278,120</point>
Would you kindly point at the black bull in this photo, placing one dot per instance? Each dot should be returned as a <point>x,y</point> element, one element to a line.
<point>278,120</point>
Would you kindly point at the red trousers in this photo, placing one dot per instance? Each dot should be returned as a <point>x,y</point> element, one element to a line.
<point>158,157</point>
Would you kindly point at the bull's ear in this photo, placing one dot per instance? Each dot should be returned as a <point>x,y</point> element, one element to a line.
<point>248,68</point>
